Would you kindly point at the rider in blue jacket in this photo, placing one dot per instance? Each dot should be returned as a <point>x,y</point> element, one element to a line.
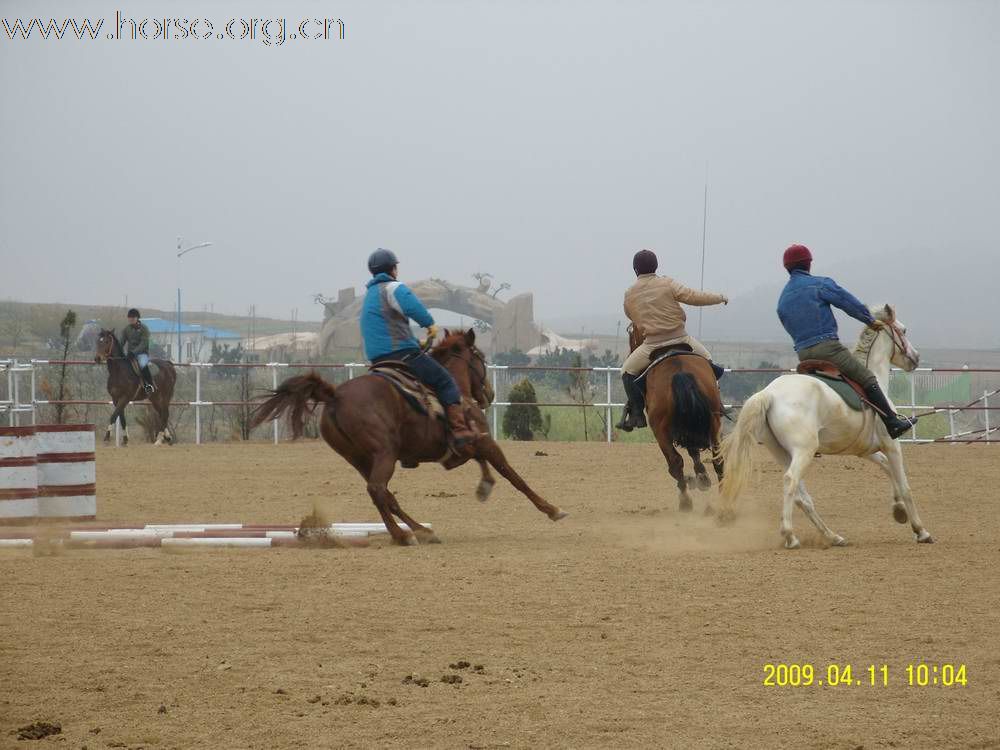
<point>385,328</point>
<point>804,311</point>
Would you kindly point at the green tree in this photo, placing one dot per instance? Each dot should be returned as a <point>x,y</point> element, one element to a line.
<point>65,336</point>
<point>521,422</point>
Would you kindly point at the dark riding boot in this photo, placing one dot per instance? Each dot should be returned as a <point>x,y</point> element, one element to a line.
<point>147,380</point>
<point>894,423</point>
<point>634,413</point>
<point>462,436</point>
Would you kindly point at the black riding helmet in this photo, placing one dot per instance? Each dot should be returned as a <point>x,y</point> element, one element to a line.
<point>133,313</point>
<point>382,261</point>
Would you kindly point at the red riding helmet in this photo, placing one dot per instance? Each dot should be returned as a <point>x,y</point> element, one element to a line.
<point>797,255</point>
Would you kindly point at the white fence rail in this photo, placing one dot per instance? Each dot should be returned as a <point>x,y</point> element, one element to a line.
<point>20,400</point>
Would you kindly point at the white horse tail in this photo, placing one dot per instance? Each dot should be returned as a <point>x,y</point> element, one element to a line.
<point>737,447</point>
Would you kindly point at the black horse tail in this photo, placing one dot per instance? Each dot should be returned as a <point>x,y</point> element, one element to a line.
<point>691,426</point>
<point>299,394</point>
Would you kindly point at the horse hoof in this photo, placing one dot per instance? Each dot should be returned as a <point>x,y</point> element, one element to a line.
<point>686,505</point>
<point>792,543</point>
<point>709,510</point>
<point>925,538</point>
<point>558,515</point>
<point>899,513</point>
<point>408,540</point>
<point>703,482</point>
<point>838,541</point>
<point>484,490</point>
<point>430,539</point>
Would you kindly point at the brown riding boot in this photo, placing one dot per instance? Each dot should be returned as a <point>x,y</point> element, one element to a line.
<point>461,434</point>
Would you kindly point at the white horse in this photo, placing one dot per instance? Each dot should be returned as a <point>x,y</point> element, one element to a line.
<point>798,416</point>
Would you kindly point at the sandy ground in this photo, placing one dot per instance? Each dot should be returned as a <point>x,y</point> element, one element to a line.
<point>628,624</point>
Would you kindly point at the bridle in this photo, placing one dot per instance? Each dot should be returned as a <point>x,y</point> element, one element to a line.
<point>898,338</point>
<point>102,357</point>
<point>480,377</point>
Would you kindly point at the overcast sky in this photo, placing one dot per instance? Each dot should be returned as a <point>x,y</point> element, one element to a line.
<point>544,142</point>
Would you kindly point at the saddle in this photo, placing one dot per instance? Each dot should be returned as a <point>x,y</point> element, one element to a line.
<point>137,371</point>
<point>669,351</point>
<point>851,392</point>
<point>415,393</point>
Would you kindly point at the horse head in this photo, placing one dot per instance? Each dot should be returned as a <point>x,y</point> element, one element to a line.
<point>107,346</point>
<point>458,353</point>
<point>903,355</point>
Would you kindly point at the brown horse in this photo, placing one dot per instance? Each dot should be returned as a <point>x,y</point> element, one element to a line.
<point>369,422</point>
<point>125,385</point>
<point>684,408</point>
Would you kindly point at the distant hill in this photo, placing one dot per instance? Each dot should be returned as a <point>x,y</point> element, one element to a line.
<point>25,327</point>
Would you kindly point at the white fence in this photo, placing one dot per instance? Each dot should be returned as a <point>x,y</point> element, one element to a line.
<point>968,420</point>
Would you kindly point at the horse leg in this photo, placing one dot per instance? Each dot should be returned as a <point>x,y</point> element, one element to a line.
<point>486,482</point>
<point>163,433</point>
<point>422,533</point>
<point>800,460</point>
<point>702,482</point>
<point>675,464</point>
<point>898,508</point>
<point>382,467</point>
<point>487,449</point>
<point>717,462</point>
<point>804,500</point>
<point>901,485</point>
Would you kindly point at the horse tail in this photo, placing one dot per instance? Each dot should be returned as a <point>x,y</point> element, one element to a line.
<point>299,394</point>
<point>691,426</point>
<point>737,446</point>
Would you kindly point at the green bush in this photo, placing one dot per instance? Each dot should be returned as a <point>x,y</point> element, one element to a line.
<point>521,422</point>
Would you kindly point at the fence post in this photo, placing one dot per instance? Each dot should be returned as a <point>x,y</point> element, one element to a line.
<point>493,407</point>
<point>274,386</point>
<point>608,402</point>
<point>15,397</point>
<point>986,411</point>
<point>913,405</point>
<point>197,405</point>
<point>951,425</point>
<point>33,419</point>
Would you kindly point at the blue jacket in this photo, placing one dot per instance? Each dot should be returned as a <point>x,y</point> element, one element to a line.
<point>385,317</point>
<point>804,308</point>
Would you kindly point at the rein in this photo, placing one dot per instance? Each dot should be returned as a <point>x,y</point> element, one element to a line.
<point>478,355</point>
<point>898,342</point>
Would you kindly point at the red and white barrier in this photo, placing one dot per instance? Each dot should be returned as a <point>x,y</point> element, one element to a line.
<point>67,473</point>
<point>18,475</point>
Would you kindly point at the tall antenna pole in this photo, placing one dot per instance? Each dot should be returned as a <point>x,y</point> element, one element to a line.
<point>704,228</point>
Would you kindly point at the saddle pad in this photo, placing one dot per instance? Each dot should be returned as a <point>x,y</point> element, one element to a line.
<point>842,389</point>
<point>416,393</point>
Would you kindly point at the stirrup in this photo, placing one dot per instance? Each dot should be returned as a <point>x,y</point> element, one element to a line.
<point>902,426</point>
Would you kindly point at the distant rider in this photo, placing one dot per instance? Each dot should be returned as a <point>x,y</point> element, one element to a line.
<point>804,310</point>
<point>652,303</point>
<point>385,328</point>
<point>135,342</point>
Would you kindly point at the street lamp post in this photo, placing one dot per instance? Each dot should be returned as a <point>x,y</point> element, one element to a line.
<point>181,250</point>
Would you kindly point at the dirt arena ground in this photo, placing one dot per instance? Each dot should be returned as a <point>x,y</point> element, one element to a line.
<point>628,624</point>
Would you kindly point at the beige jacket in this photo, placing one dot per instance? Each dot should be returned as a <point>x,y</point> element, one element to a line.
<point>653,304</point>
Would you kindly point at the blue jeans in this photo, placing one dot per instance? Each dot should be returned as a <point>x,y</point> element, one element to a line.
<point>429,372</point>
<point>142,359</point>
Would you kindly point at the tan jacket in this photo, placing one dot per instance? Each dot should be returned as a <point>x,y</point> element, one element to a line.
<point>652,303</point>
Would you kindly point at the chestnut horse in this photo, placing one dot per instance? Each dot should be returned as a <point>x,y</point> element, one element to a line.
<point>684,408</point>
<point>124,385</point>
<point>369,422</point>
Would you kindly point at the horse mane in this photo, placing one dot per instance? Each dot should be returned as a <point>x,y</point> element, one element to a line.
<point>884,313</point>
<point>452,341</point>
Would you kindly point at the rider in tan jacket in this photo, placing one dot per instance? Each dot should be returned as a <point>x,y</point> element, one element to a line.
<point>653,306</point>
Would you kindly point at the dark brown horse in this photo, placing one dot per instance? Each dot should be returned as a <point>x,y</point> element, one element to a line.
<point>684,408</point>
<point>369,422</point>
<point>125,385</point>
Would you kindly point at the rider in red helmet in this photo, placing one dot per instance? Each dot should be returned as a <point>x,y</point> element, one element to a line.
<point>653,304</point>
<point>804,311</point>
